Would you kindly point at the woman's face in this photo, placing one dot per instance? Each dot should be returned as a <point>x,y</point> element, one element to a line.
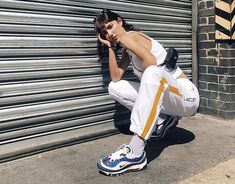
<point>113,31</point>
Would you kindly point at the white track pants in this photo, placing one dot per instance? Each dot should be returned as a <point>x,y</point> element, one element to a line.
<point>157,92</point>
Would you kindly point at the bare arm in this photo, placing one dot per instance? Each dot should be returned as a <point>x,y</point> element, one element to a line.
<point>140,46</point>
<point>116,70</point>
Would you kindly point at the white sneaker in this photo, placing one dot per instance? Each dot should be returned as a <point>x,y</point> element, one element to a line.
<point>122,161</point>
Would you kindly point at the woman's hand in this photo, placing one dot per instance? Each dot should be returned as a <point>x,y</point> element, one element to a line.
<point>103,41</point>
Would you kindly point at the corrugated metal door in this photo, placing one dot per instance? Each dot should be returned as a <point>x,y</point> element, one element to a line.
<point>52,89</point>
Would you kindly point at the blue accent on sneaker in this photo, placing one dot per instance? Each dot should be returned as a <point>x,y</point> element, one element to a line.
<point>122,161</point>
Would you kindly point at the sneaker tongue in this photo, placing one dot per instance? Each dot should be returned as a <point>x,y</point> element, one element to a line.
<point>122,151</point>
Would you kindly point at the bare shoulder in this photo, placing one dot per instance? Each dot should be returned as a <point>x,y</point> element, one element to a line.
<point>136,42</point>
<point>130,39</point>
<point>129,36</point>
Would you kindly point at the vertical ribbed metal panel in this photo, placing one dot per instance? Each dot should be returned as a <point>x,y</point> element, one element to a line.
<point>50,80</point>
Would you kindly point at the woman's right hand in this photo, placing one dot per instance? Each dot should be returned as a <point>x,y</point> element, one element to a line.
<point>103,41</point>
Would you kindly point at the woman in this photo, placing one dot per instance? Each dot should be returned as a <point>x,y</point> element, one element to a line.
<point>158,91</point>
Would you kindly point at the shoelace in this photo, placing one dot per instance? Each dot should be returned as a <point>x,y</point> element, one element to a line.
<point>119,153</point>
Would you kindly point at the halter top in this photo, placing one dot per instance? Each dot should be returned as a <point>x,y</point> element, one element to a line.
<point>158,52</point>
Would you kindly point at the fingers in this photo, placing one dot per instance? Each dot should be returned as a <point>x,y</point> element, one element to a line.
<point>99,37</point>
<point>105,42</point>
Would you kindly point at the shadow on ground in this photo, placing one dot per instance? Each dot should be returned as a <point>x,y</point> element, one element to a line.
<point>176,136</point>
<point>154,147</point>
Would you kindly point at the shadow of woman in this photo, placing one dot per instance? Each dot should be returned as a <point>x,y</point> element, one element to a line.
<point>175,136</point>
<point>154,147</point>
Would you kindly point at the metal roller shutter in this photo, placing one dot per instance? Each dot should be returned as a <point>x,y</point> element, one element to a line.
<point>52,89</point>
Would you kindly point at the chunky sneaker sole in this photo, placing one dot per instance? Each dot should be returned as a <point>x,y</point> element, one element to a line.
<point>168,124</point>
<point>122,161</point>
<point>124,170</point>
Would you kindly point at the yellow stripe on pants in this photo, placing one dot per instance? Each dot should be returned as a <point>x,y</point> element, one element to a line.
<point>174,90</point>
<point>155,105</point>
<point>154,108</point>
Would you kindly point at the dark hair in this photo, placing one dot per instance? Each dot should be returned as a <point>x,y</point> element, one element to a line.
<point>107,16</point>
<point>103,17</point>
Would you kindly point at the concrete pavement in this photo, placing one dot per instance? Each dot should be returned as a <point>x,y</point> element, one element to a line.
<point>200,150</point>
<point>223,173</point>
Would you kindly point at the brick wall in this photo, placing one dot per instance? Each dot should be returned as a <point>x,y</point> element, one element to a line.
<point>216,66</point>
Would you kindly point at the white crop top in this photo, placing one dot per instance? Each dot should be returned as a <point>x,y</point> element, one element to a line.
<point>157,50</point>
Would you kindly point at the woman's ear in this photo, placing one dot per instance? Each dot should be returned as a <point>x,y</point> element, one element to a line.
<point>119,20</point>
